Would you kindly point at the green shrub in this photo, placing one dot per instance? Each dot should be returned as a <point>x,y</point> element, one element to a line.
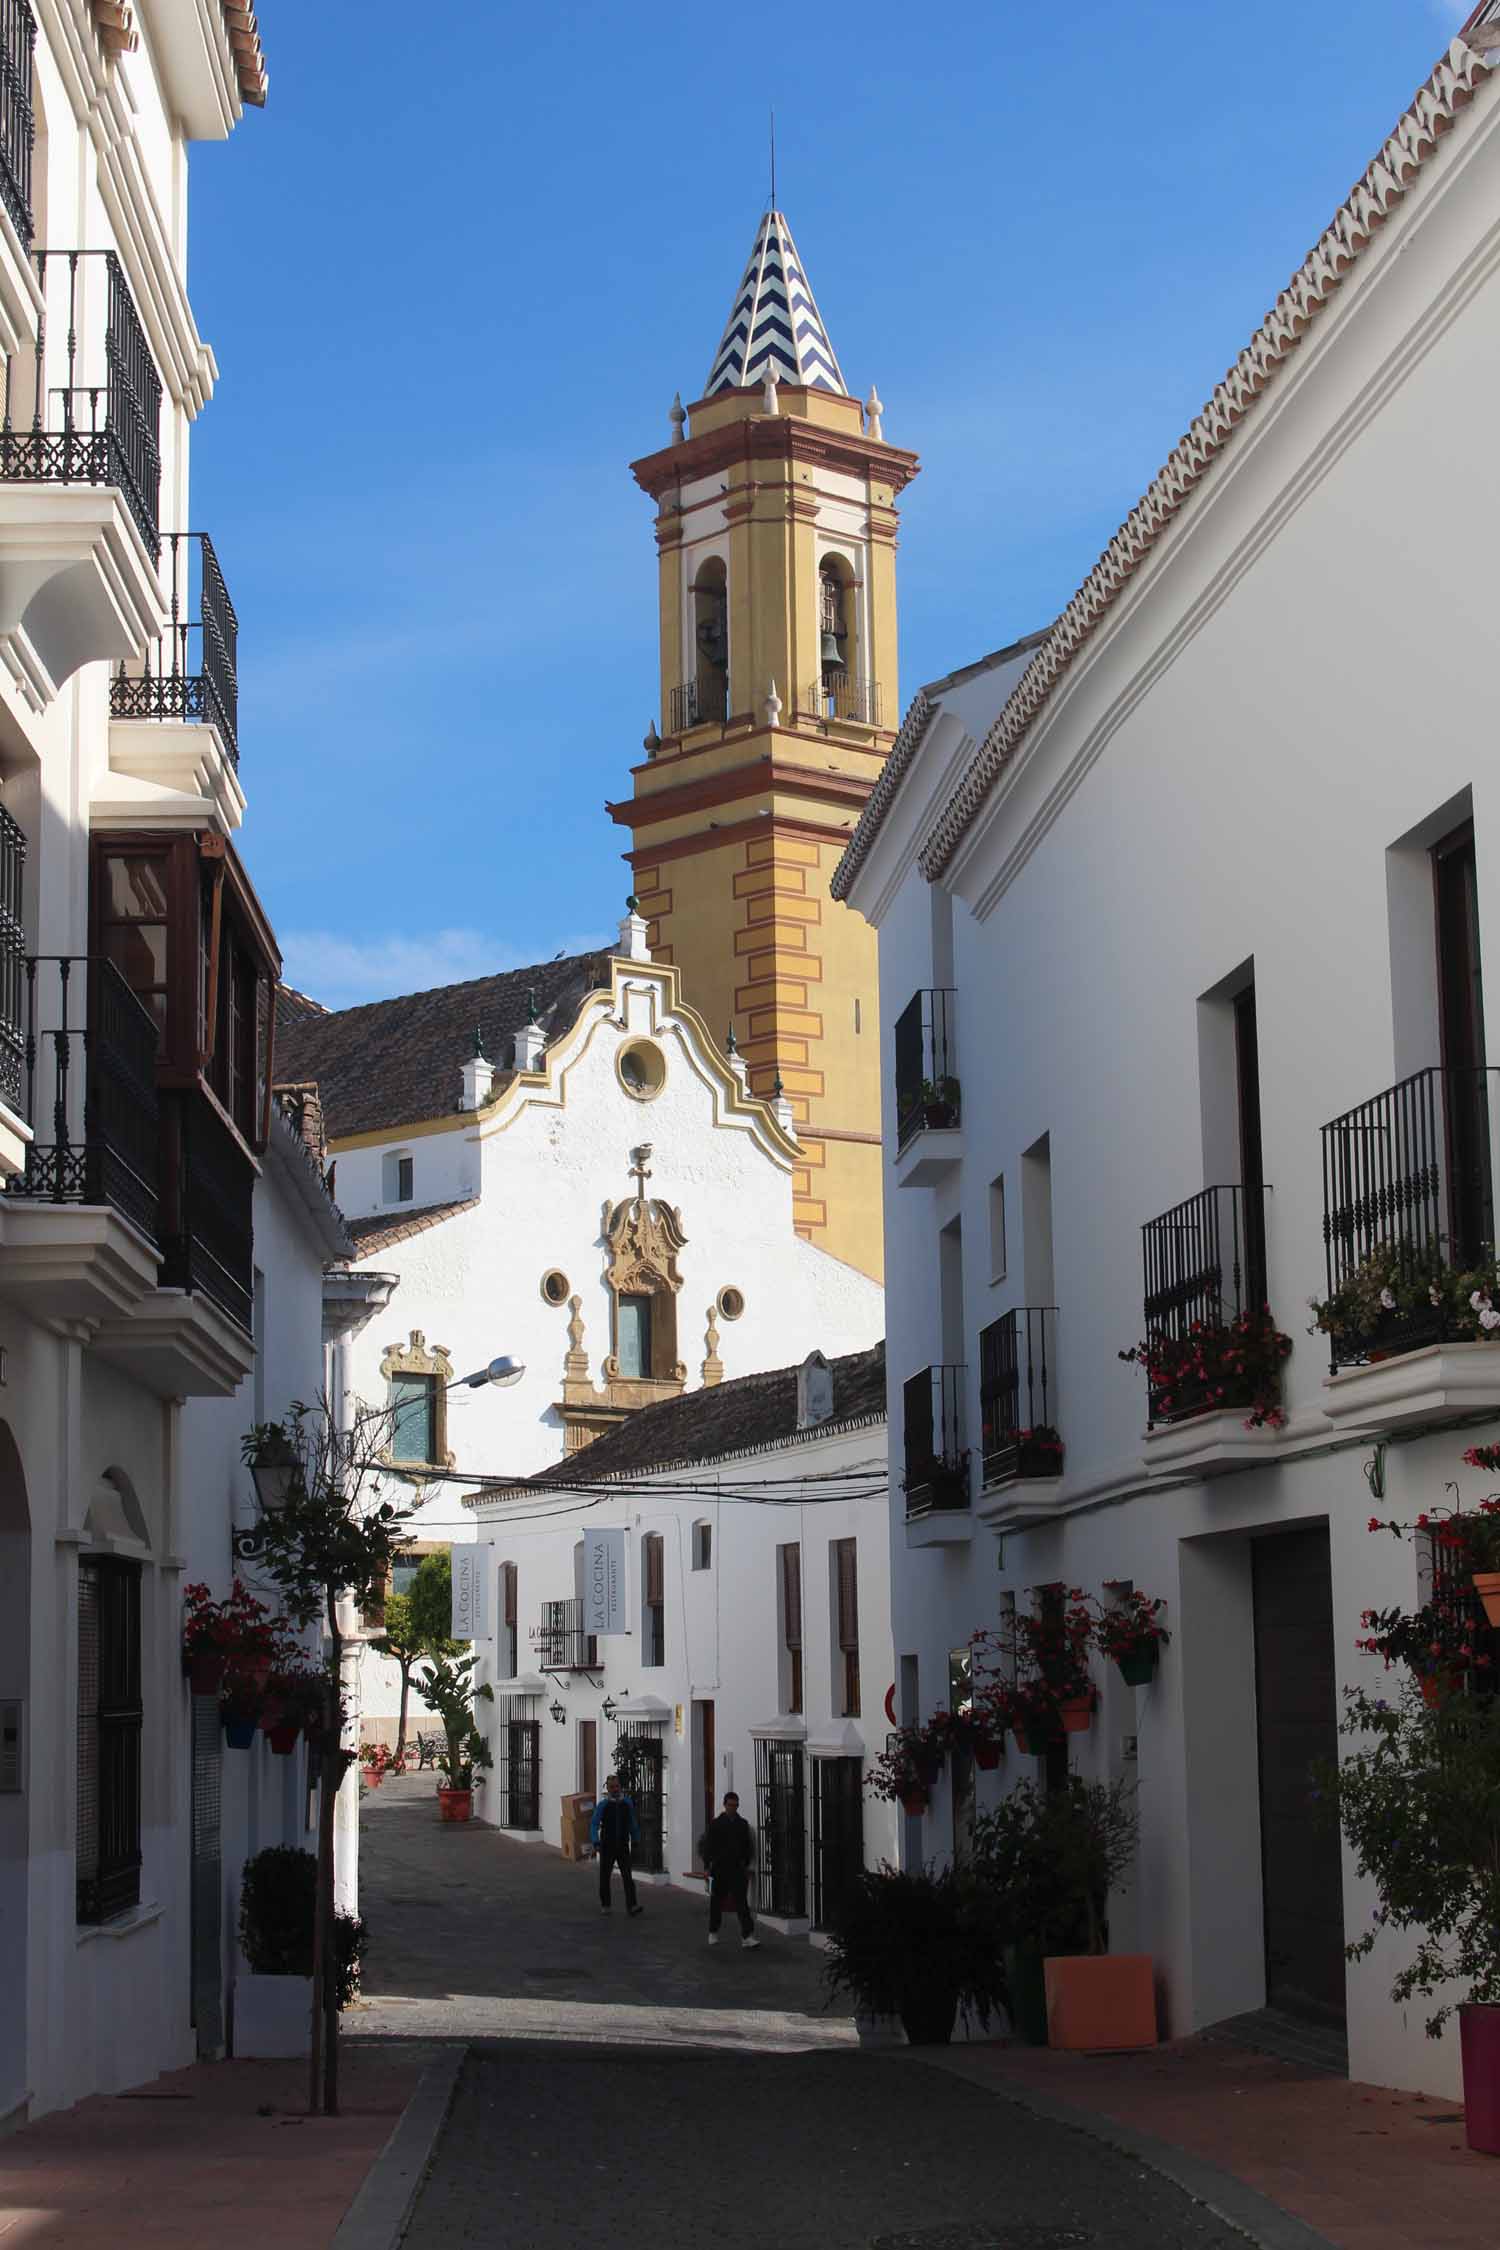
<point>278,1893</point>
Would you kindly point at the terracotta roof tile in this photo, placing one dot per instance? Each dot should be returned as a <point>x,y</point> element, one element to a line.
<point>382,1231</point>
<point>393,1063</point>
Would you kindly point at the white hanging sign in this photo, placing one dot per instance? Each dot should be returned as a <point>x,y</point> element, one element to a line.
<point>604,1604</point>
<point>470,1582</point>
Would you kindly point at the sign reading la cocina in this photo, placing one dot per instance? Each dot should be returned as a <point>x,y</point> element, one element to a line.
<point>604,1581</point>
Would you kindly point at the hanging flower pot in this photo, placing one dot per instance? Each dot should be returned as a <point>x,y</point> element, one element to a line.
<point>1022,1741</point>
<point>205,1672</point>
<point>1138,1667</point>
<point>1432,1690</point>
<point>239,1731</point>
<point>283,1738</point>
<point>1076,1713</point>
<point>914,1801</point>
<point>258,1670</point>
<point>987,1754</point>
<point>456,1804</point>
<point>1487,1587</point>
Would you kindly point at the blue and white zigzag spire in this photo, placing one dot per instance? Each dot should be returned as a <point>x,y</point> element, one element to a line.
<point>775,324</point>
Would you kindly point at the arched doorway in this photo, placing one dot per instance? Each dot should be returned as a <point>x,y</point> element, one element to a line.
<point>15,1662</point>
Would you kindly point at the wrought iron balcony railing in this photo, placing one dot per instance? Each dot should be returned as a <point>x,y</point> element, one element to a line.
<point>937,1462</point>
<point>836,696</point>
<point>85,406</point>
<point>698,703</point>
<point>17,114</point>
<point>562,1643</point>
<point>191,671</point>
<point>1017,1395</point>
<point>1408,1177</point>
<point>12,960</point>
<point>208,1187</point>
<point>89,1090</point>
<point>927,1089</point>
<point>1205,1264</point>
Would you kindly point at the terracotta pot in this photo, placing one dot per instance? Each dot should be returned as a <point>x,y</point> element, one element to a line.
<point>372,1778</point>
<point>205,1672</point>
<point>1023,1746</point>
<point>272,1711</point>
<point>987,1755</point>
<point>456,1804</point>
<point>1432,1693</point>
<point>1479,2042</point>
<point>239,1733</point>
<point>914,1801</point>
<point>1077,1714</point>
<point>1487,1587</point>
<point>1138,1669</point>
<point>1100,2003</point>
<point>283,1739</point>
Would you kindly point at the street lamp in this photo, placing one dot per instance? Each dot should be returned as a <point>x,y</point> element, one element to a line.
<point>502,1372</point>
<point>274,1471</point>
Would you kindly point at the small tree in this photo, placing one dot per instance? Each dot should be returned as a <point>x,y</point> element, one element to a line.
<point>416,1625</point>
<point>332,1536</point>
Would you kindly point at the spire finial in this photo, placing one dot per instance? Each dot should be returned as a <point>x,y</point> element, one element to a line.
<point>768,389</point>
<point>677,416</point>
<point>731,1044</point>
<point>874,408</point>
<point>531,1015</point>
<point>773,707</point>
<point>773,156</point>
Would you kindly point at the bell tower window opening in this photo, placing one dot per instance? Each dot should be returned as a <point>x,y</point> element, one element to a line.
<point>710,683</point>
<point>839,692</point>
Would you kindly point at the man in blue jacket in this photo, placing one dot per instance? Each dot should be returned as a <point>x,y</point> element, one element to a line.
<point>614,1831</point>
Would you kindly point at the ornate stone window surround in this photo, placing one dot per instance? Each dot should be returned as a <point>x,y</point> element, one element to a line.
<point>414,1358</point>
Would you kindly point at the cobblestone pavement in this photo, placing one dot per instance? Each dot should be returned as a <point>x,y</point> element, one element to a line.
<point>472,1933</point>
<point>550,2147</point>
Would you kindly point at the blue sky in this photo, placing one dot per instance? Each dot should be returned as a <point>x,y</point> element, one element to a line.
<point>453,281</point>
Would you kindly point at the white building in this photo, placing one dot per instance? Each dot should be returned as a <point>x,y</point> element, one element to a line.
<point>162,1229</point>
<point>755,1646</point>
<point>1170,891</point>
<point>503,1197</point>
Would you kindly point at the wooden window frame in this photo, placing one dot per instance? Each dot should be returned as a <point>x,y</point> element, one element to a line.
<point>110,1722</point>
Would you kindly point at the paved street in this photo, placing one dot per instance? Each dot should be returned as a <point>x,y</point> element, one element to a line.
<point>600,2080</point>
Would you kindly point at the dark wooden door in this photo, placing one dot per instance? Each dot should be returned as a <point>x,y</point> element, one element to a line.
<point>588,1756</point>
<point>1296,1695</point>
<point>1252,1168</point>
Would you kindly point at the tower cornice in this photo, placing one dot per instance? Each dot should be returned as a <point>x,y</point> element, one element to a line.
<point>775,437</point>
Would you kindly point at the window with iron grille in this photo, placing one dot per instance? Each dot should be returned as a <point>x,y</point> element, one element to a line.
<point>108,1863</point>
<point>789,1604</point>
<point>844,1557</point>
<point>653,1599</point>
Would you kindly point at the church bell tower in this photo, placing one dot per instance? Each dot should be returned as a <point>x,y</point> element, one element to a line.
<point>776,530</point>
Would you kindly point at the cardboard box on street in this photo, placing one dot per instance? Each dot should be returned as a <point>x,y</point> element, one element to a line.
<point>577,1809</point>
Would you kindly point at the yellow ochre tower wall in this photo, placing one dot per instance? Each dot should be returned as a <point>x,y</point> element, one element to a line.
<point>776,531</point>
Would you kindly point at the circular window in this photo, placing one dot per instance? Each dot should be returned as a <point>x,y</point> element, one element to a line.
<point>731,1304</point>
<point>643,1069</point>
<point>555,1287</point>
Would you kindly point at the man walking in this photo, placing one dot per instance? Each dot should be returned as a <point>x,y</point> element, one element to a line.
<point>727,1850</point>
<point>614,1831</point>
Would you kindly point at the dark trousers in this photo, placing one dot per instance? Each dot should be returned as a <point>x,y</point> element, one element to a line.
<point>730,1890</point>
<point>611,1856</point>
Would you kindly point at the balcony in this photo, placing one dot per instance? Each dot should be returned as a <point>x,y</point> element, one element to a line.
<point>1204,1265</point>
<point>1408,1206</point>
<point>13,1134</point>
<point>1018,1405</point>
<point>835,696</point>
<point>937,1460</point>
<point>80,479</point>
<point>562,1645</point>
<point>929,1105</point>
<point>174,712</point>
<point>703,702</point>
<point>126,1212</point>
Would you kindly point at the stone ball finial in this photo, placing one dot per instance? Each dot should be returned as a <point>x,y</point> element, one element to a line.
<point>651,740</point>
<point>677,416</point>
<point>768,388</point>
<point>773,707</point>
<point>731,1044</point>
<point>874,409</point>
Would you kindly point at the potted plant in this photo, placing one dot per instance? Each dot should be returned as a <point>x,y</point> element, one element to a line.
<point>448,1687</point>
<point>1216,1364</point>
<point>1400,1298</point>
<point>940,1101</point>
<point>1418,1796</point>
<point>1440,1642</point>
<point>1129,1632</point>
<point>1484,1536</point>
<point>1050,1858</point>
<point>940,1482</point>
<point>272,2014</point>
<point>240,1701</point>
<point>1039,1452</point>
<point>1034,1672</point>
<point>905,1770</point>
<point>378,1759</point>
<point>238,1631</point>
<point>919,1946</point>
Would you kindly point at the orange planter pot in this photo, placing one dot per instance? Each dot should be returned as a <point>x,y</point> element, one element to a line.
<point>1487,1587</point>
<point>373,1779</point>
<point>1077,1714</point>
<point>456,1804</point>
<point>1100,2003</point>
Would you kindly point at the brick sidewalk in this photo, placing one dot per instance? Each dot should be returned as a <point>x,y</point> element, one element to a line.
<point>1367,2168</point>
<point>220,2154</point>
